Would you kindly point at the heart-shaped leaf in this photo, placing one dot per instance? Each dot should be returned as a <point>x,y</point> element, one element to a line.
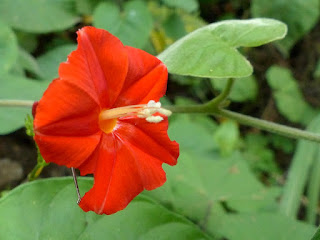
<point>211,51</point>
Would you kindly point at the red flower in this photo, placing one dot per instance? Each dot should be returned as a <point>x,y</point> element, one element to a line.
<point>96,117</point>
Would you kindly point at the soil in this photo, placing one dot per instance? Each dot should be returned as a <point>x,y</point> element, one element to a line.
<point>18,156</point>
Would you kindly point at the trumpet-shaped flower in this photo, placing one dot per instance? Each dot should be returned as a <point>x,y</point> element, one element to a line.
<point>103,116</point>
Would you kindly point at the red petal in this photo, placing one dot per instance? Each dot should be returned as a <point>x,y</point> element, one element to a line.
<point>123,170</point>
<point>66,110</point>
<point>68,151</point>
<point>146,79</point>
<point>152,138</point>
<point>34,108</point>
<point>66,124</point>
<point>99,65</point>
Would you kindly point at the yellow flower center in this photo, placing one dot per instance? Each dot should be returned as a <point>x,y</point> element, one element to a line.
<point>107,125</point>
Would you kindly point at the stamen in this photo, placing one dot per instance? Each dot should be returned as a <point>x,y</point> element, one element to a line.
<point>141,111</point>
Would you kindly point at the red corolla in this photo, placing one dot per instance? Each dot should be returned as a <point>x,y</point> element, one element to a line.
<point>103,117</point>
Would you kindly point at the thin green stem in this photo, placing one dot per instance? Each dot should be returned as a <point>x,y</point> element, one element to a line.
<point>209,107</point>
<point>15,103</point>
<point>214,108</point>
<point>214,103</point>
<point>268,126</point>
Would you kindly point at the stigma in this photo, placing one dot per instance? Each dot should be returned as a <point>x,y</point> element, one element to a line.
<point>145,111</point>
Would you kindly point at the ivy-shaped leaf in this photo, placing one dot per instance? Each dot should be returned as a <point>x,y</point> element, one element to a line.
<point>211,51</point>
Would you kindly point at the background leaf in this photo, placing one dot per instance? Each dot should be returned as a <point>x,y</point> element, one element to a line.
<point>304,159</point>
<point>187,5</point>
<point>8,48</point>
<point>218,56</point>
<point>227,137</point>
<point>31,210</point>
<point>243,89</point>
<point>264,226</point>
<point>50,61</point>
<point>288,96</point>
<point>132,25</point>
<point>300,15</point>
<point>38,16</point>
<point>19,88</point>
<point>29,63</point>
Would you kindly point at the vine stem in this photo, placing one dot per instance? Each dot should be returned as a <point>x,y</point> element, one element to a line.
<point>269,126</point>
<point>15,103</point>
<point>213,107</point>
<point>280,129</point>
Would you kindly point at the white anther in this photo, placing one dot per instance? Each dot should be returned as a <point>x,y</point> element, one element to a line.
<point>154,119</point>
<point>158,105</point>
<point>165,112</point>
<point>153,104</point>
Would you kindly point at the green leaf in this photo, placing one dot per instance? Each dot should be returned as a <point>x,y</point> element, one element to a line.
<point>212,52</point>
<point>283,143</point>
<point>31,210</point>
<point>197,185</point>
<point>28,62</point>
<point>38,16</point>
<point>243,89</point>
<point>187,5</point>
<point>132,26</point>
<point>50,61</point>
<point>227,137</point>
<point>19,88</point>
<point>27,41</point>
<point>288,97</point>
<point>313,192</point>
<point>201,184</point>
<point>316,236</point>
<point>261,226</point>
<point>299,15</point>
<point>259,156</point>
<point>174,26</point>
<point>8,48</point>
<point>303,161</point>
<point>86,7</point>
<point>202,141</point>
<point>190,185</point>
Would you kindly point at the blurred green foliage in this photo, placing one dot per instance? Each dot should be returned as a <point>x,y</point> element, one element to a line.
<point>231,182</point>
